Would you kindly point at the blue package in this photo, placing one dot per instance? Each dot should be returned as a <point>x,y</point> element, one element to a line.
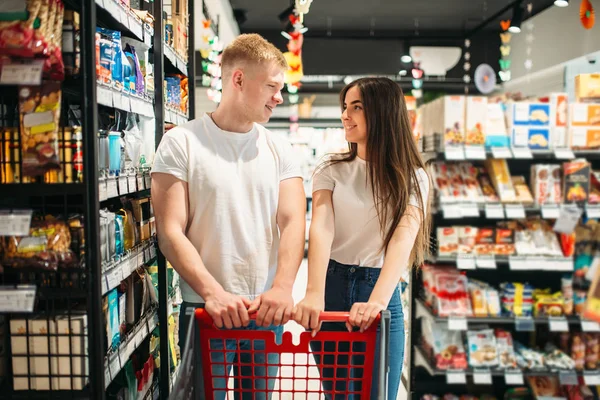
<point>113,319</point>
<point>119,234</point>
<point>118,56</point>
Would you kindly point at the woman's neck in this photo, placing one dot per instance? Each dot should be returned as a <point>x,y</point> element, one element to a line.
<point>361,151</point>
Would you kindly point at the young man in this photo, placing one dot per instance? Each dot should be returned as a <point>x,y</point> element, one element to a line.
<point>230,204</point>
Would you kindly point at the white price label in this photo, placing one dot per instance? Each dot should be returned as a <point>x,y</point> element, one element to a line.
<point>590,326</point>
<point>102,191</point>
<point>111,188</point>
<point>151,323</point>
<point>131,183</point>
<point>136,27</point>
<point>558,264</point>
<point>494,211</point>
<point>140,259</point>
<point>558,324</point>
<point>116,98</point>
<point>131,346</point>
<point>454,153</point>
<point>104,285</point>
<point>469,210</point>
<point>482,377</point>
<point>15,224</point>
<point>524,324</point>
<point>147,37</point>
<point>107,377</point>
<point>517,263</point>
<point>593,211</point>
<point>140,182</point>
<point>513,378</point>
<point>475,152</point>
<point>152,251</point>
<point>457,323</point>
<point>456,378</point>
<point>451,211</point>
<point>522,153</point>
<point>125,103</point>
<point>591,378</point>
<point>148,109</point>
<point>567,220</point>
<point>26,73</point>
<point>465,261</point>
<point>17,299</point>
<point>182,66</point>
<point>114,277</point>
<point>104,96</point>
<point>100,3</point>
<point>514,211</point>
<point>501,152</point>
<point>568,378</point>
<point>132,264</point>
<point>550,211</point>
<point>564,154</point>
<point>123,189</point>
<point>123,16</point>
<point>486,262</point>
<point>114,364</point>
<point>147,181</point>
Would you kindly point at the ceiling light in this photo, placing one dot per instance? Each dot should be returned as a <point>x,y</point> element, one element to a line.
<point>561,3</point>
<point>403,72</point>
<point>515,22</point>
<point>406,58</point>
<point>348,80</point>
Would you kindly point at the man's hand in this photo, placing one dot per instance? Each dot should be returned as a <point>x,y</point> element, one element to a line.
<point>274,307</point>
<point>307,312</point>
<point>228,310</point>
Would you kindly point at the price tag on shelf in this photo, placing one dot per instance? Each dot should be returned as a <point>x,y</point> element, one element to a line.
<point>131,346</point>
<point>132,184</point>
<point>147,38</point>
<point>591,378</point>
<point>486,262</point>
<point>148,109</point>
<point>146,254</point>
<point>102,190</point>
<point>522,153</point>
<point>550,211</point>
<point>116,99</point>
<point>456,378</point>
<point>494,211</point>
<point>151,323</point>
<point>568,378</point>
<point>114,364</point>
<point>147,181</point>
<point>482,377</point>
<point>518,263</point>
<point>125,102</point>
<point>524,324</point>
<point>469,210</point>
<point>111,188</point>
<point>140,259</point>
<point>457,323</point>
<point>501,152</point>
<point>15,223</point>
<point>124,16</point>
<point>136,27</point>
<point>140,182</point>
<point>100,3</point>
<point>592,211</point>
<point>182,66</point>
<point>514,211</point>
<point>22,73</point>
<point>17,299</point>
<point>465,261</point>
<point>564,154</point>
<point>451,211</point>
<point>590,326</point>
<point>513,377</point>
<point>558,324</point>
<point>123,189</point>
<point>454,153</point>
<point>114,277</point>
<point>567,220</point>
<point>152,251</point>
<point>104,283</point>
<point>475,152</point>
<point>558,264</point>
<point>104,96</point>
<point>107,378</point>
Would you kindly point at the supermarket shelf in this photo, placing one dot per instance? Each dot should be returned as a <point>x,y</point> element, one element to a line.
<point>175,116</point>
<point>111,97</point>
<point>174,376</point>
<point>515,263</point>
<point>112,14</point>
<point>26,190</point>
<point>424,311</point>
<point>176,61</point>
<point>115,273</point>
<point>116,360</point>
<point>135,186</point>
<point>498,211</point>
<point>459,153</point>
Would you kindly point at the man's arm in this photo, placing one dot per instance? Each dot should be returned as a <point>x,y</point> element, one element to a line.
<point>171,209</point>
<point>275,306</point>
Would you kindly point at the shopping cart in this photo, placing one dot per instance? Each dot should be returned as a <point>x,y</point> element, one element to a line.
<point>202,364</point>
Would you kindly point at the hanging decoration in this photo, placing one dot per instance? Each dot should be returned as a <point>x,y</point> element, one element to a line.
<point>504,60</point>
<point>210,51</point>
<point>467,65</point>
<point>529,38</point>
<point>586,14</point>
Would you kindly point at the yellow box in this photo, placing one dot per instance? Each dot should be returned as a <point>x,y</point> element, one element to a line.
<point>587,86</point>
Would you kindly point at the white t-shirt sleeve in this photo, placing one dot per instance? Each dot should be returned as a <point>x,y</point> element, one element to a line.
<point>289,165</point>
<point>423,187</point>
<point>171,156</point>
<point>322,179</point>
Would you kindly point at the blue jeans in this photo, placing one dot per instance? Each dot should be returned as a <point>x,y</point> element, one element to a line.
<point>251,377</point>
<point>346,285</point>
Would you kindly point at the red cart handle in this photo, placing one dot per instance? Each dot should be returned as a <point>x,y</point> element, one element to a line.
<point>324,316</point>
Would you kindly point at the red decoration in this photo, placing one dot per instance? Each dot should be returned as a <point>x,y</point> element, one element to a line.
<point>505,24</point>
<point>295,68</point>
<point>293,19</point>
<point>296,52</point>
<point>206,23</point>
<point>586,14</point>
<point>295,35</point>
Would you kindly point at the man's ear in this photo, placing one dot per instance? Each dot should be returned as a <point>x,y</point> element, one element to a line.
<point>237,78</point>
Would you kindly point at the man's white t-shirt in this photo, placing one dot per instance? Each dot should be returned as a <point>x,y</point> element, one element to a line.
<point>358,239</point>
<point>233,182</point>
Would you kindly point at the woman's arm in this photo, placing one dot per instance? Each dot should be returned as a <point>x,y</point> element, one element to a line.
<point>320,239</point>
<point>394,265</point>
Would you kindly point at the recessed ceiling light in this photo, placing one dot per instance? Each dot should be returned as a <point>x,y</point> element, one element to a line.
<point>561,3</point>
<point>348,80</point>
<point>403,72</point>
<point>406,58</point>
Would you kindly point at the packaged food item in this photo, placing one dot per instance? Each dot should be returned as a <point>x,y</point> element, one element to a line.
<point>447,346</point>
<point>39,110</point>
<point>467,236</point>
<point>478,298</point>
<point>506,351</point>
<point>559,107</point>
<point>523,195</point>
<point>500,176</point>
<point>483,350</point>
<point>578,351</point>
<point>471,187</point>
<point>567,292</point>
<point>493,302</point>
<point>528,358</point>
<point>16,36</point>
<point>447,241</point>
<point>556,192</point>
<point>476,120</point>
<point>548,305</point>
<point>505,242</point>
<point>541,183</point>
<point>114,322</point>
<point>452,295</point>
<point>517,299</point>
<point>576,181</point>
<point>592,350</point>
<point>556,359</point>
<point>579,301</point>
<point>485,242</point>
<point>587,87</point>
<point>487,188</point>
<point>497,132</point>
<point>545,386</point>
<point>594,197</point>
<point>453,111</point>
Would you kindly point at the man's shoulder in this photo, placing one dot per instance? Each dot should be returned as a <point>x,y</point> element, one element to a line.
<point>195,127</point>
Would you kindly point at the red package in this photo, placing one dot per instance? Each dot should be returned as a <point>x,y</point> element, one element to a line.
<point>16,37</point>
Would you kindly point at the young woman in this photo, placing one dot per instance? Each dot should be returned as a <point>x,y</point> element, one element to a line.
<point>368,226</point>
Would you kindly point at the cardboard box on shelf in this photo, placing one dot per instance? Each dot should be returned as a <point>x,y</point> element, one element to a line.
<point>529,136</point>
<point>496,134</point>
<point>587,87</point>
<point>476,120</point>
<point>576,181</point>
<point>453,112</point>
<point>500,176</point>
<point>559,107</point>
<point>584,137</point>
<point>532,114</point>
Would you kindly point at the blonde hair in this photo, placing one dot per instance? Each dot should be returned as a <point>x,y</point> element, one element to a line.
<point>250,49</point>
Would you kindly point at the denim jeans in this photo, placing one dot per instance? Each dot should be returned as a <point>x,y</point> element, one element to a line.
<point>346,285</point>
<point>222,362</point>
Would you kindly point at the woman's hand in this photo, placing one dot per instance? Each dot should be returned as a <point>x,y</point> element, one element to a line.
<point>362,315</point>
<point>307,312</point>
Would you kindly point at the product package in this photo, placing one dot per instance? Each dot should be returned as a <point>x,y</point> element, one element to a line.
<point>483,350</point>
<point>476,120</point>
<point>500,176</point>
<point>576,181</point>
<point>447,241</point>
<point>506,351</point>
<point>523,195</point>
<point>446,346</point>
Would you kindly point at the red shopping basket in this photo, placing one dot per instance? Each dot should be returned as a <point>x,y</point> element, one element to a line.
<point>298,377</point>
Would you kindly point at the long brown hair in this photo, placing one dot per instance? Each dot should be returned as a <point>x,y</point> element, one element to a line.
<point>393,159</point>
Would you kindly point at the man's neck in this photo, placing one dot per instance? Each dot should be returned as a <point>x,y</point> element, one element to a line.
<point>231,121</point>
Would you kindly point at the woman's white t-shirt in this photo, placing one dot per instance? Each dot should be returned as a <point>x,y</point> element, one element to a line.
<point>358,238</point>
